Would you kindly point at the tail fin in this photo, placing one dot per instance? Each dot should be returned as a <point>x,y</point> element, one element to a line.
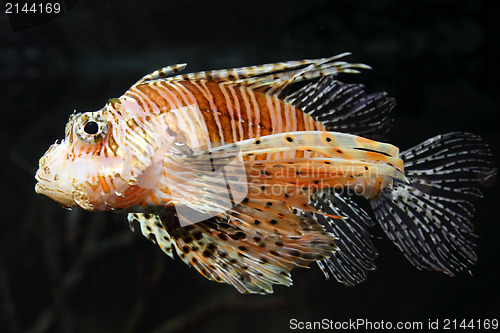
<point>429,218</point>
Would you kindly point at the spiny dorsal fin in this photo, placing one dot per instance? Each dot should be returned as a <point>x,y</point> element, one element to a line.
<point>162,73</point>
<point>274,77</point>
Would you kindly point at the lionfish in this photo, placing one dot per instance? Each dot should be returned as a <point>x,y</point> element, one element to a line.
<point>247,173</point>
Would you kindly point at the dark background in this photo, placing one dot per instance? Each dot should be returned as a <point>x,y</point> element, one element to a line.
<point>74,271</point>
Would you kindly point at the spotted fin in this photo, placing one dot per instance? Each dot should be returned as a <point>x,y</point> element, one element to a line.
<point>345,107</point>
<point>344,160</point>
<point>251,259</point>
<point>336,151</point>
<point>330,144</point>
<point>429,218</point>
<point>152,229</point>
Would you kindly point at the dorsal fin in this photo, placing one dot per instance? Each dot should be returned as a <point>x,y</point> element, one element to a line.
<point>161,73</point>
<point>341,107</point>
<point>273,77</point>
<point>345,107</point>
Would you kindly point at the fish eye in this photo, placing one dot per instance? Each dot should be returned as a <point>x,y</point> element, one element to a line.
<point>91,127</point>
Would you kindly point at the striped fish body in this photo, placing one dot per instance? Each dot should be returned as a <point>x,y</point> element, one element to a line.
<point>205,112</point>
<point>243,173</point>
<point>200,113</point>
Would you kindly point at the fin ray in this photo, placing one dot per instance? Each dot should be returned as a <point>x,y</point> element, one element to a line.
<point>152,228</point>
<point>355,253</point>
<point>429,218</point>
<point>251,260</point>
<point>345,107</point>
<point>274,77</point>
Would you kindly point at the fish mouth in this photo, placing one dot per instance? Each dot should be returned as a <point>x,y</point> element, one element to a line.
<point>39,188</point>
<point>41,176</point>
<point>49,184</point>
<point>56,194</point>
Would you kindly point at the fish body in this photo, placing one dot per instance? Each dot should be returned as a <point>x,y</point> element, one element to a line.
<point>248,173</point>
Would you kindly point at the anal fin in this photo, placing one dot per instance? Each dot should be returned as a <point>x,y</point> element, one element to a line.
<point>355,254</point>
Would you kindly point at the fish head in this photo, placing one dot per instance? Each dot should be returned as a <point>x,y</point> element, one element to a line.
<point>88,168</point>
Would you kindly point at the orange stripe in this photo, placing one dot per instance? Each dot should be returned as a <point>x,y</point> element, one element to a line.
<point>205,109</point>
<point>240,112</point>
<point>103,183</point>
<point>221,108</point>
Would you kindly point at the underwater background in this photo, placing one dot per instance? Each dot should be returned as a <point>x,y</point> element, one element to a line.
<point>75,271</point>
